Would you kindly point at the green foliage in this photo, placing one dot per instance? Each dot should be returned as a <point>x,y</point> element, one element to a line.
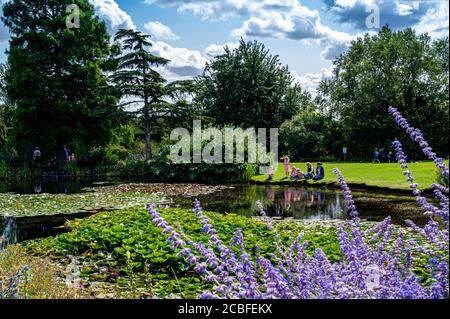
<point>165,171</point>
<point>441,179</point>
<point>310,136</point>
<point>119,149</point>
<point>2,130</point>
<point>55,78</point>
<point>248,87</point>
<point>136,243</point>
<point>401,69</point>
<point>72,168</point>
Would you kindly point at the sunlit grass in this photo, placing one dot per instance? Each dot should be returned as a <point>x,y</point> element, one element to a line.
<point>382,175</point>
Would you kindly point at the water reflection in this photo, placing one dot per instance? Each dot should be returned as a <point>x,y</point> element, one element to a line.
<point>302,203</point>
<point>279,202</point>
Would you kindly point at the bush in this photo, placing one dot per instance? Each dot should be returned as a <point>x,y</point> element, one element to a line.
<point>165,171</point>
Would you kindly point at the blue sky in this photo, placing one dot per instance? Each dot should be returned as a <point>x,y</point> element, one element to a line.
<point>306,34</point>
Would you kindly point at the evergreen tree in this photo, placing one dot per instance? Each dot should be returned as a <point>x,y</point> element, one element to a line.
<point>136,78</point>
<point>140,84</point>
<point>55,78</point>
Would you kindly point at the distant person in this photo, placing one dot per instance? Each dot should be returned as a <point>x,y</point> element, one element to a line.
<point>376,155</point>
<point>309,171</point>
<point>66,153</point>
<point>37,156</point>
<point>270,173</point>
<point>320,172</point>
<point>294,174</point>
<point>391,157</point>
<point>72,157</point>
<point>287,166</point>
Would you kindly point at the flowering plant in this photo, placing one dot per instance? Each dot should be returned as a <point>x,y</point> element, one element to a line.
<point>375,263</point>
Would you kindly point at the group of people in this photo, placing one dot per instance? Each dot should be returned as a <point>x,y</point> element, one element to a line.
<point>297,174</point>
<point>383,155</point>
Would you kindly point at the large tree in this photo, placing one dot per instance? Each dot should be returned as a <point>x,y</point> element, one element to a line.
<point>249,87</point>
<point>55,77</point>
<point>401,69</point>
<point>141,86</point>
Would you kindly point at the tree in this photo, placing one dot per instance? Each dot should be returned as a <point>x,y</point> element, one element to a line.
<point>248,87</point>
<point>136,78</point>
<point>310,136</point>
<point>401,69</point>
<point>55,77</point>
<point>140,84</point>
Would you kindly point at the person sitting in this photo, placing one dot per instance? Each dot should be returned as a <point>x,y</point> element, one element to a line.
<point>309,171</point>
<point>320,172</point>
<point>295,175</point>
<point>270,173</point>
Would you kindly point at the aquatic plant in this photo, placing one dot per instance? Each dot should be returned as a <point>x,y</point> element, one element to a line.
<point>376,263</point>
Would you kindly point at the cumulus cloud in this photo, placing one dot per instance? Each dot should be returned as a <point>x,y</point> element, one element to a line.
<point>435,21</point>
<point>184,63</point>
<point>160,31</point>
<point>396,13</point>
<point>209,9</point>
<point>115,18</point>
<point>310,81</point>
<point>214,50</point>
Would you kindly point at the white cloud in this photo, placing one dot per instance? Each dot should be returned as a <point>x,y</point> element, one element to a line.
<point>214,50</point>
<point>160,31</point>
<point>184,63</point>
<point>310,81</point>
<point>115,18</point>
<point>435,22</point>
<point>397,14</point>
<point>209,9</point>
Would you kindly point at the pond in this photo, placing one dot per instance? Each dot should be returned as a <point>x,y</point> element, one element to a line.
<point>280,202</point>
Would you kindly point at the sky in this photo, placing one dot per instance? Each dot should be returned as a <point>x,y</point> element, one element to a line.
<point>306,34</point>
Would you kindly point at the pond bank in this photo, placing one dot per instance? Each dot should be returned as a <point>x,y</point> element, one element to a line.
<point>334,185</point>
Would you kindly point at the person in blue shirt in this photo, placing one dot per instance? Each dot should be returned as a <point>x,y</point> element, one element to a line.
<point>320,172</point>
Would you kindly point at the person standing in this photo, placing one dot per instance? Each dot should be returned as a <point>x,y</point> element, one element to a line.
<point>37,156</point>
<point>376,155</point>
<point>66,153</point>
<point>287,166</point>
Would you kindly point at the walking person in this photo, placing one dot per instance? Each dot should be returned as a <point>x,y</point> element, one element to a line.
<point>376,155</point>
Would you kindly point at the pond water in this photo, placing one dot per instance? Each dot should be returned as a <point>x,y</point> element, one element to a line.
<point>292,202</point>
<point>279,202</point>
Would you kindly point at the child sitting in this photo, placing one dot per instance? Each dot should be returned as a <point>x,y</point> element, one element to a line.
<point>270,174</point>
<point>295,173</point>
<point>309,171</point>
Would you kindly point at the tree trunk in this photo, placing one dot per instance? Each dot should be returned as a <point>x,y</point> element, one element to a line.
<point>60,157</point>
<point>148,138</point>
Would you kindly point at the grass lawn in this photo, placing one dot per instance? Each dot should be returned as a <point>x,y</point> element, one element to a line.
<point>381,175</point>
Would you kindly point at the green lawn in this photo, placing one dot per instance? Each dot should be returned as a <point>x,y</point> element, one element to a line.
<point>381,175</point>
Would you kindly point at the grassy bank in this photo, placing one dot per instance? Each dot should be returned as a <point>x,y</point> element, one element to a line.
<point>378,175</point>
